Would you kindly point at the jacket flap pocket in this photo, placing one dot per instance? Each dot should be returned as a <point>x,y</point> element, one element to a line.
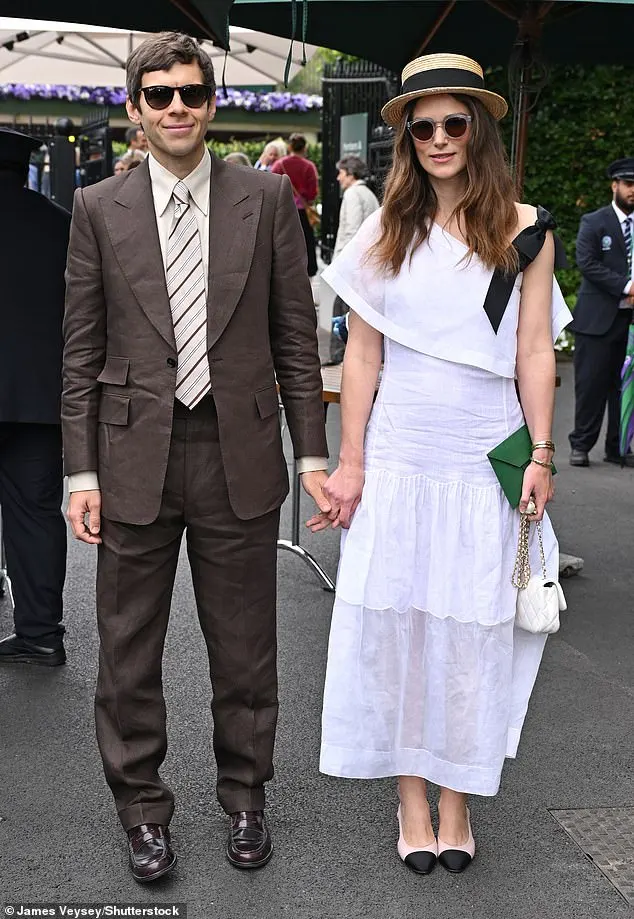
<point>115,371</point>
<point>267,401</point>
<point>114,409</point>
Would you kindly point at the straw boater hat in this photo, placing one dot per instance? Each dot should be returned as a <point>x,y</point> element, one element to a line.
<point>442,73</point>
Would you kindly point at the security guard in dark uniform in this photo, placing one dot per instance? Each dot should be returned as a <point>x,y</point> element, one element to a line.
<point>33,242</point>
<point>602,317</point>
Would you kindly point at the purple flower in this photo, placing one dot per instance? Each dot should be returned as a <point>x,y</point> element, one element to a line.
<point>115,95</point>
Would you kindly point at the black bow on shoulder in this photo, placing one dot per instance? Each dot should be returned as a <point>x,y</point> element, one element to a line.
<point>529,242</point>
<point>528,245</point>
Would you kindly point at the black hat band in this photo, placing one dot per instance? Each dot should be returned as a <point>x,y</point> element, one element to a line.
<point>442,77</point>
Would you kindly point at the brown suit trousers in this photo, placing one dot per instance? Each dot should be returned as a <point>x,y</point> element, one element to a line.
<point>233,570</point>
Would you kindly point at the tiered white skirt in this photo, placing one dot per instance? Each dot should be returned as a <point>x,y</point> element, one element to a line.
<point>426,673</point>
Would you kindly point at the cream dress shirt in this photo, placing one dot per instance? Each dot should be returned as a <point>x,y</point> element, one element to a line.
<point>163,184</point>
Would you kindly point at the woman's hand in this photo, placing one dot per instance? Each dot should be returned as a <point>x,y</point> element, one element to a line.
<point>343,491</point>
<point>538,482</point>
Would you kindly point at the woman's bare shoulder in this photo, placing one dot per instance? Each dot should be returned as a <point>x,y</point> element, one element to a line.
<point>526,216</point>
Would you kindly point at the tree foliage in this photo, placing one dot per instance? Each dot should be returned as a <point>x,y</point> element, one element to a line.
<point>583,120</point>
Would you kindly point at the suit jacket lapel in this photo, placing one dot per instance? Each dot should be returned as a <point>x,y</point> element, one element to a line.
<point>617,229</point>
<point>131,223</point>
<point>233,223</point>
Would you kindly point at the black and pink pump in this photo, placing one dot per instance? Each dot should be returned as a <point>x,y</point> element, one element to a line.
<point>420,859</point>
<point>456,858</point>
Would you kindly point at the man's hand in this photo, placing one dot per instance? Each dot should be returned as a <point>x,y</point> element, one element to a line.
<point>81,503</point>
<point>313,483</point>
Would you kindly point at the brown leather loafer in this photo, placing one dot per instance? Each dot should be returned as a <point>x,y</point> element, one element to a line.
<point>151,855</point>
<point>250,843</point>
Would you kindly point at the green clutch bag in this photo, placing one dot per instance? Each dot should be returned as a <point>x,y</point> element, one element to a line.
<point>509,460</point>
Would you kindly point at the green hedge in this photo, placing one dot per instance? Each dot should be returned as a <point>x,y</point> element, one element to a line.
<point>252,148</point>
<point>584,119</point>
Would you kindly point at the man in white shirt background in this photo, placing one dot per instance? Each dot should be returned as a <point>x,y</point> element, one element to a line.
<point>136,141</point>
<point>187,301</point>
<point>357,203</point>
<point>602,317</point>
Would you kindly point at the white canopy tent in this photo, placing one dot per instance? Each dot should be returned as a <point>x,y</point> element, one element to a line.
<point>35,51</point>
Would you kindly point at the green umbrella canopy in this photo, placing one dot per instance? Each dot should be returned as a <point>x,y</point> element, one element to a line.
<point>202,18</point>
<point>392,32</point>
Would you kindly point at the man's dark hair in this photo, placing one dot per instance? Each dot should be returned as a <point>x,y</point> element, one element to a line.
<point>131,134</point>
<point>161,52</point>
<point>353,166</point>
<point>297,143</point>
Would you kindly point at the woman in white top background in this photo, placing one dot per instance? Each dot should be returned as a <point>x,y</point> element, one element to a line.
<point>428,679</point>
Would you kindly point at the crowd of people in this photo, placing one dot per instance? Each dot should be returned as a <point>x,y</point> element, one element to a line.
<point>291,159</point>
<point>157,362</point>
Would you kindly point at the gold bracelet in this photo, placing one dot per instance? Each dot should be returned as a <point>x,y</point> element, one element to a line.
<point>542,463</point>
<point>543,445</point>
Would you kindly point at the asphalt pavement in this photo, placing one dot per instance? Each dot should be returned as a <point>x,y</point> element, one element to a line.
<point>335,840</point>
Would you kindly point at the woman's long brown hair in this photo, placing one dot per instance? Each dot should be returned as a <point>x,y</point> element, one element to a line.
<point>487,211</point>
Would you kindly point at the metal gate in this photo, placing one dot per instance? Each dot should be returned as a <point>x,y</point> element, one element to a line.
<point>70,155</point>
<point>95,147</point>
<point>348,88</point>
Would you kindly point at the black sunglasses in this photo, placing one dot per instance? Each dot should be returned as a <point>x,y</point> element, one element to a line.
<point>454,126</point>
<point>193,95</point>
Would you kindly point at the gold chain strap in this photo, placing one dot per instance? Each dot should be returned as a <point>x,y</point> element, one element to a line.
<point>522,567</point>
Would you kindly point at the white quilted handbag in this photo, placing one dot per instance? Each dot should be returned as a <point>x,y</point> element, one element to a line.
<point>539,598</point>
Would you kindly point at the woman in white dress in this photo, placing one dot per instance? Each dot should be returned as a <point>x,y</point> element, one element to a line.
<point>427,677</point>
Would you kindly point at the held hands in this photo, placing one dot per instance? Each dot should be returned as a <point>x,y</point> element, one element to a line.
<point>343,493</point>
<point>313,483</point>
<point>80,504</point>
<point>538,483</point>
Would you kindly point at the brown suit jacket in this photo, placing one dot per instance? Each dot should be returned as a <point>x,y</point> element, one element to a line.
<point>120,355</point>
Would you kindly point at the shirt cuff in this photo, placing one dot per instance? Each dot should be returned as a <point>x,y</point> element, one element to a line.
<point>627,288</point>
<point>311,464</point>
<point>83,481</point>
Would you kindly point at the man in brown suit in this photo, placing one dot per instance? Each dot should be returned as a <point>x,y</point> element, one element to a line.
<point>187,295</point>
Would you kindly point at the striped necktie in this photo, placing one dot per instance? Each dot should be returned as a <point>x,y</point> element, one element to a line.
<point>188,300</point>
<point>627,235</point>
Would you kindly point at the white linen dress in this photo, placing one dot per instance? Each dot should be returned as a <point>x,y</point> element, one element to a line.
<point>426,673</point>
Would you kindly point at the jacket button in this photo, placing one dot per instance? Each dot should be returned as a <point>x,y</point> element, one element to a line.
<point>171,362</point>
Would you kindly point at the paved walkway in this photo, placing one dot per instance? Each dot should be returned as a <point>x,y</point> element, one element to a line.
<point>335,841</point>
